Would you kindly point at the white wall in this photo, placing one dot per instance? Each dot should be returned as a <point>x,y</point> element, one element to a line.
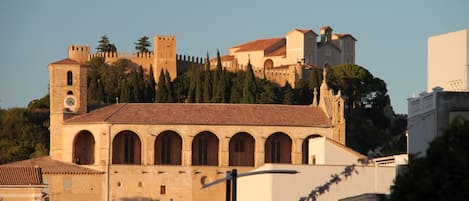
<point>448,59</point>
<point>325,151</point>
<point>277,187</point>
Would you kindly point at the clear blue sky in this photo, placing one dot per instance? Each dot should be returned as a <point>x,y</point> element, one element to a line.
<point>392,35</point>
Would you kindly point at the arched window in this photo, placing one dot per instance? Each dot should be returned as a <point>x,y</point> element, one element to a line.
<point>69,78</point>
<point>278,148</point>
<point>307,158</point>
<point>242,150</point>
<point>268,63</point>
<point>83,148</point>
<point>126,148</point>
<point>205,149</point>
<point>168,148</point>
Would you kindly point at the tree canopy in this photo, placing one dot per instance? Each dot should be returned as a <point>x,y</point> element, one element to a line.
<point>105,46</point>
<point>142,44</point>
<point>24,132</point>
<point>443,173</point>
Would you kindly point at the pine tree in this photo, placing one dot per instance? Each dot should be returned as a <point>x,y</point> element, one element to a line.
<point>105,46</point>
<point>142,44</point>
<point>150,87</point>
<point>249,86</point>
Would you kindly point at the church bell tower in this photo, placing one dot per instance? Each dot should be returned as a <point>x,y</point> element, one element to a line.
<point>68,97</point>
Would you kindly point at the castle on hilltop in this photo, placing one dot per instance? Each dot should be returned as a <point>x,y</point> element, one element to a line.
<point>290,58</point>
<point>163,57</point>
<point>280,60</point>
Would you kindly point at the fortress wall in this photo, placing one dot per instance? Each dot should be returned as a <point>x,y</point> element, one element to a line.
<point>278,76</point>
<point>144,59</point>
<point>185,63</point>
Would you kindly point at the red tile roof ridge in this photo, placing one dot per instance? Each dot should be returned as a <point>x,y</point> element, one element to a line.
<point>206,114</point>
<point>258,44</point>
<point>345,35</point>
<point>51,166</point>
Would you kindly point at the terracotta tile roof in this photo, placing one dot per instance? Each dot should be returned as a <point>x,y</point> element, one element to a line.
<point>50,166</point>
<point>260,44</point>
<point>326,27</point>
<point>206,114</point>
<point>20,175</point>
<point>306,31</point>
<point>345,35</point>
<point>66,61</point>
<point>282,51</point>
<point>225,57</point>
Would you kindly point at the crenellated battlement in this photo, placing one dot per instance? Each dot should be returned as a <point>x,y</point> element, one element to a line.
<point>122,55</point>
<point>192,59</point>
<point>79,48</point>
<point>165,37</point>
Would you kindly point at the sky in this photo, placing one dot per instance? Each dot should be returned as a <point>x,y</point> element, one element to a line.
<point>392,35</point>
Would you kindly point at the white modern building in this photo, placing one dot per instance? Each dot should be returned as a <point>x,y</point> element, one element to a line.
<point>430,113</point>
<point>334,172</point>
<point>448,61</point>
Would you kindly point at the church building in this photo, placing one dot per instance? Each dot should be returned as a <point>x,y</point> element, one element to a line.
<point>168,151</point>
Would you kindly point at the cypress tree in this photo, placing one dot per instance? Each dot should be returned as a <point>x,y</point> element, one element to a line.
<point>249,86</point>
<point>150,87</point>
<point>191,91</point>
<point>198,89</point>
<point>169,87</point>
<point>288,94</point>
<point>207,81</point>
<point>161,93</point>
<point>125,92</point>
<point>217,94</point>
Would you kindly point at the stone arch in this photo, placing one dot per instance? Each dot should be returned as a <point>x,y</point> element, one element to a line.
<point>268,63</point>
<point>305,148</point>
<point>83,148</point>
<point>126,148</point>
<point>241,150</point>
<point>205,149</point>
<point>278,148</point>
<point>168,148</point>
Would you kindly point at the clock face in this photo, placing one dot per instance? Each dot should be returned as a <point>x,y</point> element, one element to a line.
<point>70,101</point>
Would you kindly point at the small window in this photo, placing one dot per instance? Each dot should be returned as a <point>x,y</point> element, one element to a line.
<point>69,92</point>
<point>69,78</point>
<point>67,184</point>
<point>162,190</point>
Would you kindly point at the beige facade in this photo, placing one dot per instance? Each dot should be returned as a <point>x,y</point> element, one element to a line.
<point>290,58</point>
<point>448,61</point>
<point>167,151</point>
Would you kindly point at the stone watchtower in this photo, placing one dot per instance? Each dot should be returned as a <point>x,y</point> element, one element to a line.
<point>165,55</point>
<point>79,53</point>
<point>68,95</point>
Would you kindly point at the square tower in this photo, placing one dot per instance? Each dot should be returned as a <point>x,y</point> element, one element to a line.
<point>68,96</point>
<point>165,55</point>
